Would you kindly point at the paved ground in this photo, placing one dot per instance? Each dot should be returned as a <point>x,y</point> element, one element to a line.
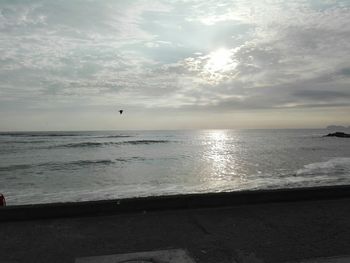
<point>271,232</point>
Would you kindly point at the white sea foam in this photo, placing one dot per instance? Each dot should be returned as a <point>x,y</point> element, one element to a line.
<point>329,167</point>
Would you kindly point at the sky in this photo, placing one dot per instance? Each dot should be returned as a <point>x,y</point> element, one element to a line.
<point>186,64</point>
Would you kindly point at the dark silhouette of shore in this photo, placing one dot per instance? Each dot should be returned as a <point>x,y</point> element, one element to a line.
<point>258,226</point>
<point>338,134</point>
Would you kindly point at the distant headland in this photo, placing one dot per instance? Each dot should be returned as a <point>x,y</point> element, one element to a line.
<point>337,127</point>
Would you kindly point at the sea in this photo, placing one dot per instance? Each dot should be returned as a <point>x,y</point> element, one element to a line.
<point>45,167</point>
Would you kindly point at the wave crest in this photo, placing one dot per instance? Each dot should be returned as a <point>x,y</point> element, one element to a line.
<point>101,144</point>
<point>55,165</point>
<point>24,134</point>
<point>334,166</point>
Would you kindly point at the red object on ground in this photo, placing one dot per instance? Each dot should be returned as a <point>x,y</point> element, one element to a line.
<point>2,200</point>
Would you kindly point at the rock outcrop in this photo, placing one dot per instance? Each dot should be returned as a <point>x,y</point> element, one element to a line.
<point>338,134</point>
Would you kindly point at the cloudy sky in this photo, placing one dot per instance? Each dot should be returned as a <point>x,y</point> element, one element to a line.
<point>72,64</point>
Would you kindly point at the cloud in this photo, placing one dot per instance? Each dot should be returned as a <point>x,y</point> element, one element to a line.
<point>181,55</point>
<point>322,95</point>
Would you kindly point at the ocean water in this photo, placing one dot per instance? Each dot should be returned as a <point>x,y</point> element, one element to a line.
<point>43,167</point>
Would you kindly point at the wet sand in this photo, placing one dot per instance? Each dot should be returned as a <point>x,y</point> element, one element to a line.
<point>270,227</point>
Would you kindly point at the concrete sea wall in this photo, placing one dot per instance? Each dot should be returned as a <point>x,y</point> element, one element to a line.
<point>172,202</point>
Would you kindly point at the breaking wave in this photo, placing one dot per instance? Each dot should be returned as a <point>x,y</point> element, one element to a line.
<point>116,136</point>
<point>146,142</point>
<point>23,142</point>
<point>15,167</point>
<point>56,166</point>
<point>80,144</point>
<point>68,165</point>
<point>334,166</point>
<point>100,144</point>
<point>60,134</point>
<point>26,134</point>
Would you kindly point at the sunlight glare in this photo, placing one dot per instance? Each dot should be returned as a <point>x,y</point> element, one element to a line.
<point>219,60</point>
<point>222,164</point>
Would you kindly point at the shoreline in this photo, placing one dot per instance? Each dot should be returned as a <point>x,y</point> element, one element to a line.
<point>304,226</point>
<point>170,202</point>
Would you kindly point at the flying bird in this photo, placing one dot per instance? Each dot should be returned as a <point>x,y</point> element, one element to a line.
<point>121,111</point>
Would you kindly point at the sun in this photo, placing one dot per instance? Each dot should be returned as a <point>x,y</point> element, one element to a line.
<point>219,60</point>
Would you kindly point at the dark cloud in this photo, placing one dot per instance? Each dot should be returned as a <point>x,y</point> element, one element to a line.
<point>321,95</point>
<point>344,72</point>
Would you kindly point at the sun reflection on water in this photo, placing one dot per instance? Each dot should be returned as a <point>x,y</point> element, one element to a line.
<point>220,156</point>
